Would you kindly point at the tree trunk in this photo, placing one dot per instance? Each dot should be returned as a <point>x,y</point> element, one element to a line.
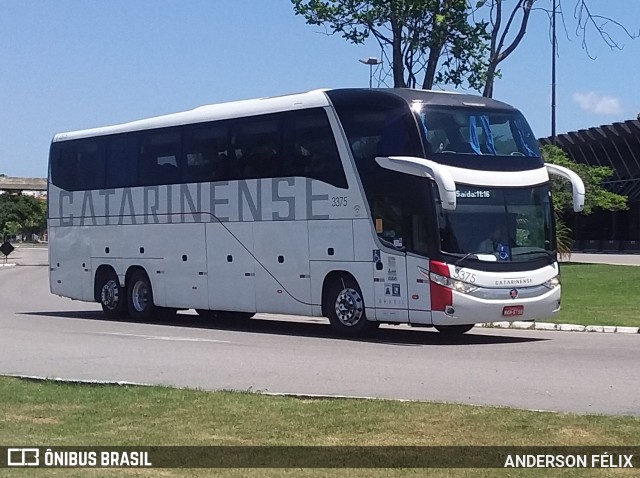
<point>491,76</point>
<point>432,66</point>
<point>396,50</point>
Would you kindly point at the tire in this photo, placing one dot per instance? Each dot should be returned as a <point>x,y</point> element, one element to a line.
<point>140,297</point>
<point>111,295</point>
<point>454,330</point>
<point>345,309</point>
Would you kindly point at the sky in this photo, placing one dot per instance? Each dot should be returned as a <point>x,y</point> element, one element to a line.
<point>75,64</point>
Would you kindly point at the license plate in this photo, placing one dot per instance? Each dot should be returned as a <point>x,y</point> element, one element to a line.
<point>511,310</point>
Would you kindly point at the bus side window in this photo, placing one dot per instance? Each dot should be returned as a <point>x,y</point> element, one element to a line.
<point>63,165</point>
<point>206,154</point>
<point>259,143</point>
<point>91,164</point>
<point>389,217</point>
<point>159,161</point>
<point>122,160</point>
<point>79,164</point>
<point>312,149</point>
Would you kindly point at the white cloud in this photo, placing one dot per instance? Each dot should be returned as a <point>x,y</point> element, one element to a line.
<point>598,104</point>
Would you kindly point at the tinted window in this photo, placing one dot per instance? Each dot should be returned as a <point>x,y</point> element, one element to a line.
<point>284,144</point>
<point>208,153</point>
<point>122,160</point>
<point>400,204</point>
<point>160,159</point>
<point>313,151</point>
<point>63,173</point>
<point>257,146</point>
<point>78,165</point>
<point>482,132</point>
<point>385,128</point>
<point>510,224</point>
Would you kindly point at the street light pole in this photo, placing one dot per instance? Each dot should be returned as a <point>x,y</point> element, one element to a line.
<point>553,74</point>
<point>371,61</point>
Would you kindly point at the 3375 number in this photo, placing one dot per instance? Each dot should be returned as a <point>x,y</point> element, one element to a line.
<point>339,201</point>
<point>464,275</point>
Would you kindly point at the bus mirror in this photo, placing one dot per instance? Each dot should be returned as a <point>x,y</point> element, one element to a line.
<point>576,184</point>
<point>425,169</point>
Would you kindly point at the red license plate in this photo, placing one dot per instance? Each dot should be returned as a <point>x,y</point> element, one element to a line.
<point>511,310</point>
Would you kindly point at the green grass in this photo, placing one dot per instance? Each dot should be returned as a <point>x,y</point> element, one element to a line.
<point>57,414</point>
<point>595,294</point>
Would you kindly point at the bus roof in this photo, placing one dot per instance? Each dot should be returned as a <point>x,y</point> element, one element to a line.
<point>275,104</point>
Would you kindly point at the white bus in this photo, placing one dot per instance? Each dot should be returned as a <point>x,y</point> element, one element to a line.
<point>364,206</point>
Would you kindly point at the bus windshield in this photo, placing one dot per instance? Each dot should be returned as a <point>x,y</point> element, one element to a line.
<point>498,224</point>
<point>475,131</point>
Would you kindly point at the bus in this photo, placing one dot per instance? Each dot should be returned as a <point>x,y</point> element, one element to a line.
<point>365,206</point>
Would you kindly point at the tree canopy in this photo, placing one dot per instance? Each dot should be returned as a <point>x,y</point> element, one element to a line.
<point>596,195</point>
<point>22,214</point>
<point>459,42</point>
<point>435,39</point>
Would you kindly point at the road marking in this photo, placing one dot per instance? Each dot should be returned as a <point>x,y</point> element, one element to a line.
<point>169,339</point>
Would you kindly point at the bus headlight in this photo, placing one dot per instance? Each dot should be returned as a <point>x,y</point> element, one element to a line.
<point>552,283</point>
<point>457,285</point>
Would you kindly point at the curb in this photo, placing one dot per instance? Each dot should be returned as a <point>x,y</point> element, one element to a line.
<point>521,325</point>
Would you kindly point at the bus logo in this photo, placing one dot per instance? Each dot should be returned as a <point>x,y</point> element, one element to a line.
<point>23,457</point>
<point>513,293</point>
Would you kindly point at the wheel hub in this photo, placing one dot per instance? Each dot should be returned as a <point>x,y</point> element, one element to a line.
<point>110,295</point>
<point>349,307</point>
<point>139,296</point>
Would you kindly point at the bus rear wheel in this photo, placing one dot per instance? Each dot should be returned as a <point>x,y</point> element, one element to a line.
<point>454,330</point>
<point>111,295</point>
<point>140,296</point>
<point>344,306</point>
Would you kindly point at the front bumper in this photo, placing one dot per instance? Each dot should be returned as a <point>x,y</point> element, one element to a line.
<point>481,307</point>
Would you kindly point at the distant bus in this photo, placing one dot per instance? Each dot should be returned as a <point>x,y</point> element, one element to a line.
<point>363,206</point>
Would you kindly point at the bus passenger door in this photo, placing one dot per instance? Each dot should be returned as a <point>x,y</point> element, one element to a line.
<point>391,288</point>
<point>418,292</point>
<point>231,267</point>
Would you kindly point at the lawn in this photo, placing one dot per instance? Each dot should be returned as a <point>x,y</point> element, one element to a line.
<point>597,294</point>
<point>63,414</point>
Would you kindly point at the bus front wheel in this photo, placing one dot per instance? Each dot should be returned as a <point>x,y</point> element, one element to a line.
<point>345,308</point>
<point>111,294</point>
<point>454,330</point>
<point>140,296</point>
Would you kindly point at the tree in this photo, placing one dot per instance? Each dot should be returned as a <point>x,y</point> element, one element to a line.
<point>434,37</point>
<point>22,214</point>
<point>504,41</point>
<point>500,48</point>
<point>596,196</point>
<point>459,42</point>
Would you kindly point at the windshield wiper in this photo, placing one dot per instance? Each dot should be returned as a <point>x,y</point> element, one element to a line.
<point>466,256</point>
<point>541,251</point>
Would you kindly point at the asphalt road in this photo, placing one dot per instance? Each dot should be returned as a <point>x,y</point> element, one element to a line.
<point>44,335</point>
